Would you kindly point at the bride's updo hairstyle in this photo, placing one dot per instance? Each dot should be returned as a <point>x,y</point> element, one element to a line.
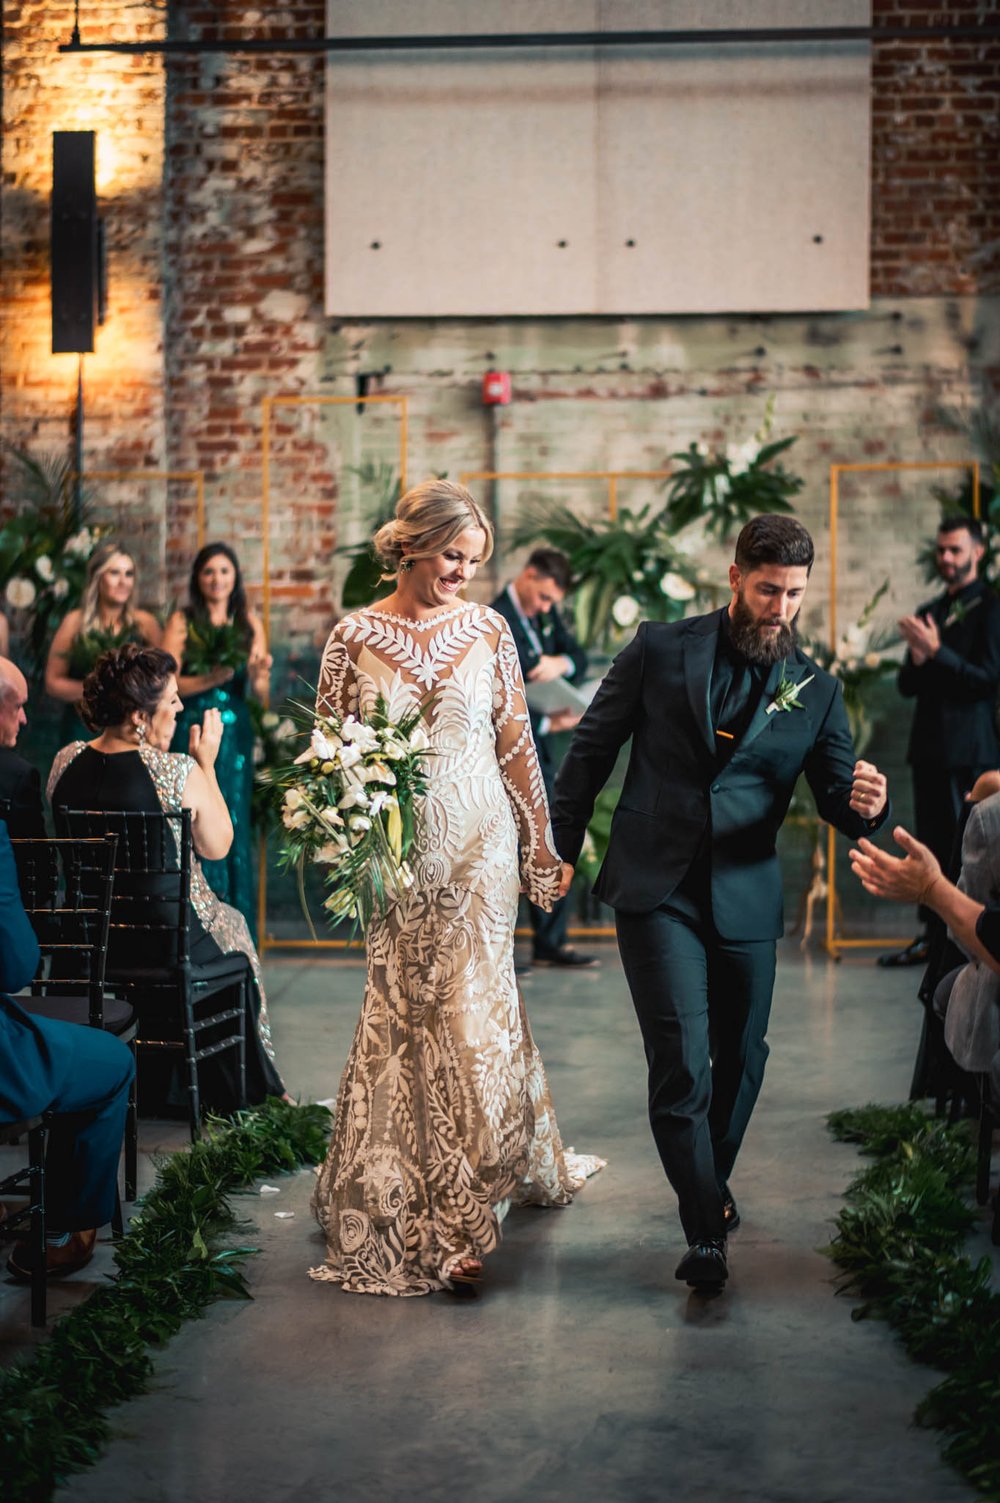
<point>428,520</point>
<point>125,681</point>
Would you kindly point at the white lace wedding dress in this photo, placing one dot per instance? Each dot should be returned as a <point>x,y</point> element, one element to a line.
<point>444,1116</point>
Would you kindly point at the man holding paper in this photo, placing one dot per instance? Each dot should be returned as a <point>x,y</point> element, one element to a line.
<point>553,664</point>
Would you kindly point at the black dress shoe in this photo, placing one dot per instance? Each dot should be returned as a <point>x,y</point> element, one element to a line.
<point>730,1209</point>
<point>565,957</point>
<point>704,1264</point>
<point>916,953</point>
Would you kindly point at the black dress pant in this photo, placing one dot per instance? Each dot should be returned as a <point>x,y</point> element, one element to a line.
<point>549,929</point>
<point>703,1004</point>
<point>938,805</point>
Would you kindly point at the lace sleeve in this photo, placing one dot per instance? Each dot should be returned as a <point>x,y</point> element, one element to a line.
<point>338,690</point>
<point>522,777</point>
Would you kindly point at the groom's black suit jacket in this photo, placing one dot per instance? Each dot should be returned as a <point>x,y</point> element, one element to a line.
<point>678,789</point>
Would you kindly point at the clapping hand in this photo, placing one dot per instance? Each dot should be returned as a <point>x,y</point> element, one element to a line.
<point>205,740</point>
<point>921,635</point>
<point>868,790</point>
<point>259,668</point>
<point>886,876</point>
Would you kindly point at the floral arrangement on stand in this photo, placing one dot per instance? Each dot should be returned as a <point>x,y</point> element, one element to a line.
<point>863,658</point>
<point>724,490</point>
<point>273,732</point>
<point>625,568</point>
<point>44,550</point>
<point>347,806</point>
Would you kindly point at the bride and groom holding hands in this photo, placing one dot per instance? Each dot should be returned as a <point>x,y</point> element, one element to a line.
<point>444,1117</point>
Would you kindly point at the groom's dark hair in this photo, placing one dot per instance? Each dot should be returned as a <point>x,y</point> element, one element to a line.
<point>774,539</point>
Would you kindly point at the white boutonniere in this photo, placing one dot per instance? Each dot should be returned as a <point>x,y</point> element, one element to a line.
<point>788,691</point>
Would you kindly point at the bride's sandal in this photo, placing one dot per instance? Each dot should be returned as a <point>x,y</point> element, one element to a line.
<point>462,1276</point>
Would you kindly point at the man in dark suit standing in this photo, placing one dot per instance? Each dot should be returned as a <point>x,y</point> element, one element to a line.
<point>80,1074</point>
<point>952,670</point>
<point>546,650</point>
<point>724,713</point>
<point>20,784</point>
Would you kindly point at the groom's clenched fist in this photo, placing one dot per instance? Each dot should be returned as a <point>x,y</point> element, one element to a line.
<point>868,790</point>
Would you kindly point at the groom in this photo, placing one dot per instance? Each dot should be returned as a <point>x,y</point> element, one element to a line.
<point>724,712</point>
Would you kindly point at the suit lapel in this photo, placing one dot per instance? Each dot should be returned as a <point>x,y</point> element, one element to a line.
<point>796,671</point>
<point>699,656</point>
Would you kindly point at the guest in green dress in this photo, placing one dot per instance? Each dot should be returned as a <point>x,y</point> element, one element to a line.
<point>106,618</point>
<point>222,650</point>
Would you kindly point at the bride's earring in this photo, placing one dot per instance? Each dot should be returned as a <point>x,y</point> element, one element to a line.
<point>405,565</point>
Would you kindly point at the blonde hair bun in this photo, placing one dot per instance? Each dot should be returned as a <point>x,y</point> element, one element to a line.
<point>428,519</point>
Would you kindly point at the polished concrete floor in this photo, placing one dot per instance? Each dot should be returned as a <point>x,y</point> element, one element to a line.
<point>585,1372</point>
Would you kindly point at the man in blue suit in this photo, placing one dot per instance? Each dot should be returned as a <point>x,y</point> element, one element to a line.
<point>724,712</point>
<point>80,1075</point>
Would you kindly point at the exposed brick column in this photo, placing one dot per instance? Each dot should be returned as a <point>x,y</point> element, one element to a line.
<point>935,155</point>
<point>245,295</point>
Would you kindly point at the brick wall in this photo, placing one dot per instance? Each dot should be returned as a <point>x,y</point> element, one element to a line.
<point>935,154</point>
<point>214,206</point>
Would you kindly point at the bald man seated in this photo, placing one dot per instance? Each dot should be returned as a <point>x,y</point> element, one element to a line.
<point>20,783</point>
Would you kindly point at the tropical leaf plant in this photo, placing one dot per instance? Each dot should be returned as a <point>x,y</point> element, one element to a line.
<point>363,582</point>
<point>45,546</point>
<point>624,568</point>
<point>723,490</point>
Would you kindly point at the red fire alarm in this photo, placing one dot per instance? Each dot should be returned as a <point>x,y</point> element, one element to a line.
<point>496,388</point>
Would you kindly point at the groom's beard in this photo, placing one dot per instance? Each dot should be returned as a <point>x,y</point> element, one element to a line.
<point>755,640</point>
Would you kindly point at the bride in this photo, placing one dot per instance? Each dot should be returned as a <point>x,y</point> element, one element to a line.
<point>444,1116</point>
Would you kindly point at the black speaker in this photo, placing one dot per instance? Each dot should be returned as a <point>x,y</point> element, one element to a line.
<point>75,243</point>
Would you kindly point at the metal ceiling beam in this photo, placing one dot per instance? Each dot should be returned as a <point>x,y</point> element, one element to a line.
<point>174,46</point>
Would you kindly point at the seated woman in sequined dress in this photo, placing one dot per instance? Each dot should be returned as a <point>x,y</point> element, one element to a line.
<point>131,702</point>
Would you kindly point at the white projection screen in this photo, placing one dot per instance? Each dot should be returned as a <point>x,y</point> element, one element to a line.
<point>649,179</point>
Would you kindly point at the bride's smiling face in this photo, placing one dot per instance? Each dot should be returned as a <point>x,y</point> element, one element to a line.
<point>440,579</point>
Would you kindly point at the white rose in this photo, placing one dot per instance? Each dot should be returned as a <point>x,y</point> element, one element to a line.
<point>359,828</point>
<point>360,735</point>
<point>293,799</point>
<point>43,567</point>
<point>295,819</point>
<point>331,817</point>
<point>20,593</point>
<point>625,610</point>
<point>61,588</point>
<point>349,756</point>
<point>419,740</point>
<point>676,587</point>
<point>331,852</point>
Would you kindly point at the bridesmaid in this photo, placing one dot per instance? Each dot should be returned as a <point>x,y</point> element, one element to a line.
<point>218,628</point>
<point>106,618</point>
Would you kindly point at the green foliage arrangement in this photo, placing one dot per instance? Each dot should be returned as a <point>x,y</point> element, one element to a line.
<point>899,1247</point>
<point>207,647</point>
<point>625,568</point>
<point>45,547</point>
<point>172,1264</point>
<point>724,490</point>
<point>363,582</point>
<point>88,646</point>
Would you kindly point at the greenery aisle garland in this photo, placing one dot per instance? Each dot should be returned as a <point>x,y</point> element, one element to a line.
<point>172,1263</point>
<point>899,1247</point>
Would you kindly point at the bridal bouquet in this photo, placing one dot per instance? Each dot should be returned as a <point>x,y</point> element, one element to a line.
<point>347,806</point>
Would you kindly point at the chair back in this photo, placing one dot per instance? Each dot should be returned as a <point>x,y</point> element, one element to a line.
<point>66,888</point>
<point>151,903</point>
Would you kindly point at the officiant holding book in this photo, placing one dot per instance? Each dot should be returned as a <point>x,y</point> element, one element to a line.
<point>550,656</point>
